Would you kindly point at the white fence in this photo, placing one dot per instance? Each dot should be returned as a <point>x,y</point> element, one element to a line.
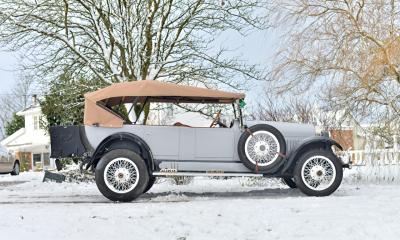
<point>373,166</point>
<point>373,157</point>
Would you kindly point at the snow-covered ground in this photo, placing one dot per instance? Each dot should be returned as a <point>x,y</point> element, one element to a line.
<point>204,209</point>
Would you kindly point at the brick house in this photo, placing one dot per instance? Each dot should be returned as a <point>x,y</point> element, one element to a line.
<point>344,137</point>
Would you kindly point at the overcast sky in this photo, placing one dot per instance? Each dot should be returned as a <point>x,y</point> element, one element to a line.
<point>258,48</point>
<point>8,64</point>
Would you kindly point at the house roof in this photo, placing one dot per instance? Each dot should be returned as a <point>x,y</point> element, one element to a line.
<point>34,109</point>
<point>96,103</point>
<point>12,137</point>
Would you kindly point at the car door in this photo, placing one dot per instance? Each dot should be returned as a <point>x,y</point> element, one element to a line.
<point>214,144</point>
<point>163,141</point>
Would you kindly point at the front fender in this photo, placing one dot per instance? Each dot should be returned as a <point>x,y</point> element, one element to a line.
<point>317,142</point>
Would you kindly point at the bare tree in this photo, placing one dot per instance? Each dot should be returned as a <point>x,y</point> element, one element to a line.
<point>297,109</point>
<point>271,109</point>
<point>117,40</point>
<point>17,99</point>
<point>348,49</point>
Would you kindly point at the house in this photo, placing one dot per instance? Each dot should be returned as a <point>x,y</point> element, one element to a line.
<point>31,144</point>
<point>350,134</point>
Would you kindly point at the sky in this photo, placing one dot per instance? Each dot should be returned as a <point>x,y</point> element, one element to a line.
<point>257,48</point>
<point>8,70</point>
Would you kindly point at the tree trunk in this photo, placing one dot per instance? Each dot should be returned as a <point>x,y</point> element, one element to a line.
<point>146,113</point>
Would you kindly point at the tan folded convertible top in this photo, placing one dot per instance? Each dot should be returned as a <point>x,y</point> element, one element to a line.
<point>96,103</point>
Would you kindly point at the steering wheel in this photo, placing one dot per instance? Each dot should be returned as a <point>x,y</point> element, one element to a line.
<point>216,121</point>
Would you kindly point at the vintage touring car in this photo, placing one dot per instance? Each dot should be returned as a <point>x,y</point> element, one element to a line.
<point>126,157</point>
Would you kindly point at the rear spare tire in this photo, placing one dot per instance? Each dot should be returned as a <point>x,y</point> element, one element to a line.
<point>121,175</point>
<point>261,148</point>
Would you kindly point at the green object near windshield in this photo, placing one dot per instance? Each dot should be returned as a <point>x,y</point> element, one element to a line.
<point>242,103</point>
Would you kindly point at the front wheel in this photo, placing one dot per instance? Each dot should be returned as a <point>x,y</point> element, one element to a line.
<point>121,175</point>
<point>318,173</point>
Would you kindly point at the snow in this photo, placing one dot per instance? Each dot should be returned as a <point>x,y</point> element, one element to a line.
<point>237,208</point>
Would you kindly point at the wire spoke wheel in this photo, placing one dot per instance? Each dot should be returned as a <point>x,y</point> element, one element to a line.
<point>318,173</point>
<point>121,175</point>
<point>262,148</point>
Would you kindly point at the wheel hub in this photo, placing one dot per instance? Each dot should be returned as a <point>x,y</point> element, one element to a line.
<point>317,173</point>
<point>261,148</point>
<point>121,175</point>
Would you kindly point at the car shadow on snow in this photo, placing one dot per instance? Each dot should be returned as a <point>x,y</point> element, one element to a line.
<point>161,197</point>
<point>264,193</point>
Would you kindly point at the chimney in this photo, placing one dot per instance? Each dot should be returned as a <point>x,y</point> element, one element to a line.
<point>34,100</point>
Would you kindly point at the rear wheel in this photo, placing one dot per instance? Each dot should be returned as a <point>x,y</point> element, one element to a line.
<point>289,182</point>
<point>152,180</point>
<point>318,173</point>
<point>16,169</point>
<point>121,175</point>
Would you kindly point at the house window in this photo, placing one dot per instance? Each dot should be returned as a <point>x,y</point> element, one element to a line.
<point>46,159</point>
<point>36,122</point>
<point>37,161</point>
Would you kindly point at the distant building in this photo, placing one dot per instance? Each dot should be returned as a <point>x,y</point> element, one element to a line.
<point>31,144</point>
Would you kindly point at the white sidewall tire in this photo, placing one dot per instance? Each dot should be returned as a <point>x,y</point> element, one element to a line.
<point>251,158</point>
<point>301,182</point>
<point>139,186</point>
<point>272,148</point>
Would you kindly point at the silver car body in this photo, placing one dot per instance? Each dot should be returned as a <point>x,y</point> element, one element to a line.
<point>7,161</point>
<point>198,149</point>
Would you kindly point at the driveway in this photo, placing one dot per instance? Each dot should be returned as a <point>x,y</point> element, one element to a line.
<point>205,209</point>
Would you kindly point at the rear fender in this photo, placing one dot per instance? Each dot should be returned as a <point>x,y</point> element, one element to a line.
<point>318,142</point>
<point>123,141</point>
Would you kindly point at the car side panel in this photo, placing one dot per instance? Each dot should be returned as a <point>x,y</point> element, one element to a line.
<point>6,161</point>
<point>191,149</point>
<point>187,143</point>
<point>214,143</point>
<point>162,140</point>
<point>197,149</point>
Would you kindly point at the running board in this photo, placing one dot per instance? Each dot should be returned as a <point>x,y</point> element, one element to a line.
<point>207,174</point>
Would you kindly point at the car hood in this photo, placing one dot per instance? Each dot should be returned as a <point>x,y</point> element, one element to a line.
<point>298,130</point>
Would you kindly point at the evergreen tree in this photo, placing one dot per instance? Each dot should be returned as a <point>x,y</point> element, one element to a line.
<point>64,103</point>
<point>15,124</point>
